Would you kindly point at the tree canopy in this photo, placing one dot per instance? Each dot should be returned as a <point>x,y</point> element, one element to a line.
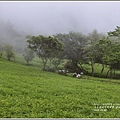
<point>45,47</point>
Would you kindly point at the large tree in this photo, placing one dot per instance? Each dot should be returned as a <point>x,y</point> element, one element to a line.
<point>100,47</point>
<point>115,35</point>
<point>91,49</point>
<point>110,54</point>
<point>8,48</point>
<point>74,43</point>
<point>28,55</point>
<point>46,47</point>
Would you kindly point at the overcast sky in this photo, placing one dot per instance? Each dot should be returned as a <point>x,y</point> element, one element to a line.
<point>61,17</point>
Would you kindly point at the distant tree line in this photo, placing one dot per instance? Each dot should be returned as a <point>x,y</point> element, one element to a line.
<point>77,49</point>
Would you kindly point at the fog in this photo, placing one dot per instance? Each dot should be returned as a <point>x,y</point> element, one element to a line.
<point>54,17</point>
<point>49,18</point>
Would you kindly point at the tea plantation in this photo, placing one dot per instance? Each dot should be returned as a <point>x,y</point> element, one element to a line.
<point>29,92</point>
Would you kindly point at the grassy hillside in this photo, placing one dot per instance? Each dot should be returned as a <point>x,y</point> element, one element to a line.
<point>28,92</point>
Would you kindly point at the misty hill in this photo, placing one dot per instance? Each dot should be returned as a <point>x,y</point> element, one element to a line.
<point>8,34</point>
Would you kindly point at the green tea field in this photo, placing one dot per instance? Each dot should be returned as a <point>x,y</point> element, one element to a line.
<point>29,92</point>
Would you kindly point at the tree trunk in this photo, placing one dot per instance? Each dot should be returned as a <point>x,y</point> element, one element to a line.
<point>56,67</point>
<point>44,66</point>
<point>8,58</point>
<point>76,67</point>
<point>101,70</point>
<point>114,73</point>
<point>0,55</point>
<point>50,61</point>
<point>83,70</point>
<point>107,73</point>
<point>92,69</point>
<point>44,63</point>
<point>111,74</point>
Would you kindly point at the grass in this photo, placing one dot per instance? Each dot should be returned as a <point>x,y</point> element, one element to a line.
<point>29,92</point>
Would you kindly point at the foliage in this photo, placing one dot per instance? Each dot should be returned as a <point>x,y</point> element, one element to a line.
<point>28,55</point>
<point>1,51</point>
<point>56,62</point>
<point>73,47</point>
<point>116,32</point>
<point>45,47</point>
<point>114,53</point>
<point>71,67</point>
<point>9,51</point>
<point>91,49</point>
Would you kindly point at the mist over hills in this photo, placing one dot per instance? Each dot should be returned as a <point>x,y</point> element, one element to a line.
<point>18,19</point>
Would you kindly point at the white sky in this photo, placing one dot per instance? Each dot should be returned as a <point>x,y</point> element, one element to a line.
<point>61,17</point>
